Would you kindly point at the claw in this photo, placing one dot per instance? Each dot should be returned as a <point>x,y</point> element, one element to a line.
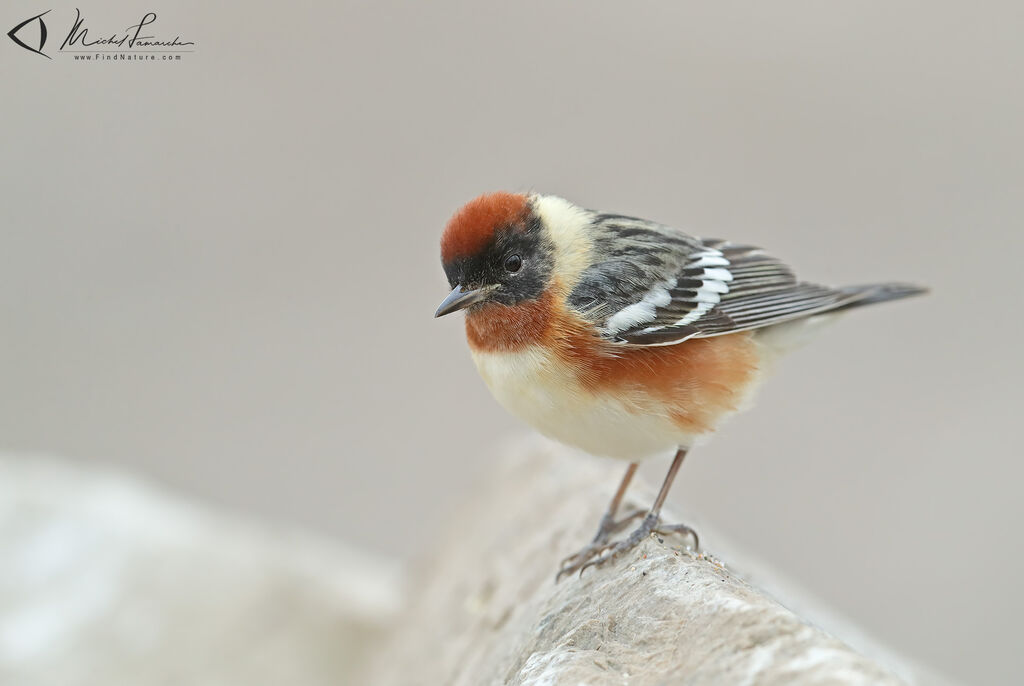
<point>595,563</point>
<point>573,562</point>
<point>667,530</point>
<point>598,554</point>
<point>598,545</point>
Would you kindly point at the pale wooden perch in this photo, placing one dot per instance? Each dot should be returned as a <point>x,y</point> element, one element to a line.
<point>107,580</point>
<point>487,610</point>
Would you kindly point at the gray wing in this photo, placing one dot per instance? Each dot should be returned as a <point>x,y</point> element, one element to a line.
<point>654,285</point>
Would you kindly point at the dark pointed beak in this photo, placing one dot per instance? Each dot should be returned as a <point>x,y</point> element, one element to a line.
<point>459,299</point>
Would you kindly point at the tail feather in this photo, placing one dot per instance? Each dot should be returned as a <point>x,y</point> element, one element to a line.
<point>879,293</point>
<point>788,336</point>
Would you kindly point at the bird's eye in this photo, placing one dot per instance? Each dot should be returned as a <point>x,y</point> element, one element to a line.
<point>513,263</point>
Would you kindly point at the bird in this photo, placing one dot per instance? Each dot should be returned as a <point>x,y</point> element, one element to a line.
<point>624,337</point>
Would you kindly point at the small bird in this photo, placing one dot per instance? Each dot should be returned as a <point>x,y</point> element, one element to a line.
<point>621,336</point>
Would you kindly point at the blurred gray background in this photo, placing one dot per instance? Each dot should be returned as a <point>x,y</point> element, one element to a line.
<point>222,272</point>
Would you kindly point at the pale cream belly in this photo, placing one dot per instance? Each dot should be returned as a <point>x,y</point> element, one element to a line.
<point>628,423</point>
<point>629,426</point>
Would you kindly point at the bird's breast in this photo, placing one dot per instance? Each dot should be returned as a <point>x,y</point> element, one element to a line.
<point>546,393</point>
<point>558,375</point>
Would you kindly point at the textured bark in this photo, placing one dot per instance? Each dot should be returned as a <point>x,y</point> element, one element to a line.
<point>487,609</point>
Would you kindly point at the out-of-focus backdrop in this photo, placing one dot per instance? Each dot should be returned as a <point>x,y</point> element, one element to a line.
<point>222,271</point>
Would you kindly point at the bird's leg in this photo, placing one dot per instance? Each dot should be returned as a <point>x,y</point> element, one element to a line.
<point>608,524</point>
<point>607,527</point>
<point>650,524</point>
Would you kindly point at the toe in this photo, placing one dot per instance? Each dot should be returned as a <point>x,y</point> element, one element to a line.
<point>681,529</point>
<point>580,559</point>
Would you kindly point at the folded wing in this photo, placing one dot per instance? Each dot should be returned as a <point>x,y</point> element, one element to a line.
<point>655,285</point>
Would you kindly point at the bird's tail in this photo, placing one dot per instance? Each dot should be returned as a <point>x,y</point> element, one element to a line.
<point>787,336</point>
<point>878,293</point>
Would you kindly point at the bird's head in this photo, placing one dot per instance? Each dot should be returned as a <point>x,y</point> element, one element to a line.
<point>496,249</point>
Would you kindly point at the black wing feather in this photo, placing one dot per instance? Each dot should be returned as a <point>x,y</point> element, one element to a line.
<point>655,285</point>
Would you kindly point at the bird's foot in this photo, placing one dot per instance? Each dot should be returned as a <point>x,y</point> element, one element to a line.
<point>609,526</point>
<point>650,525</point>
